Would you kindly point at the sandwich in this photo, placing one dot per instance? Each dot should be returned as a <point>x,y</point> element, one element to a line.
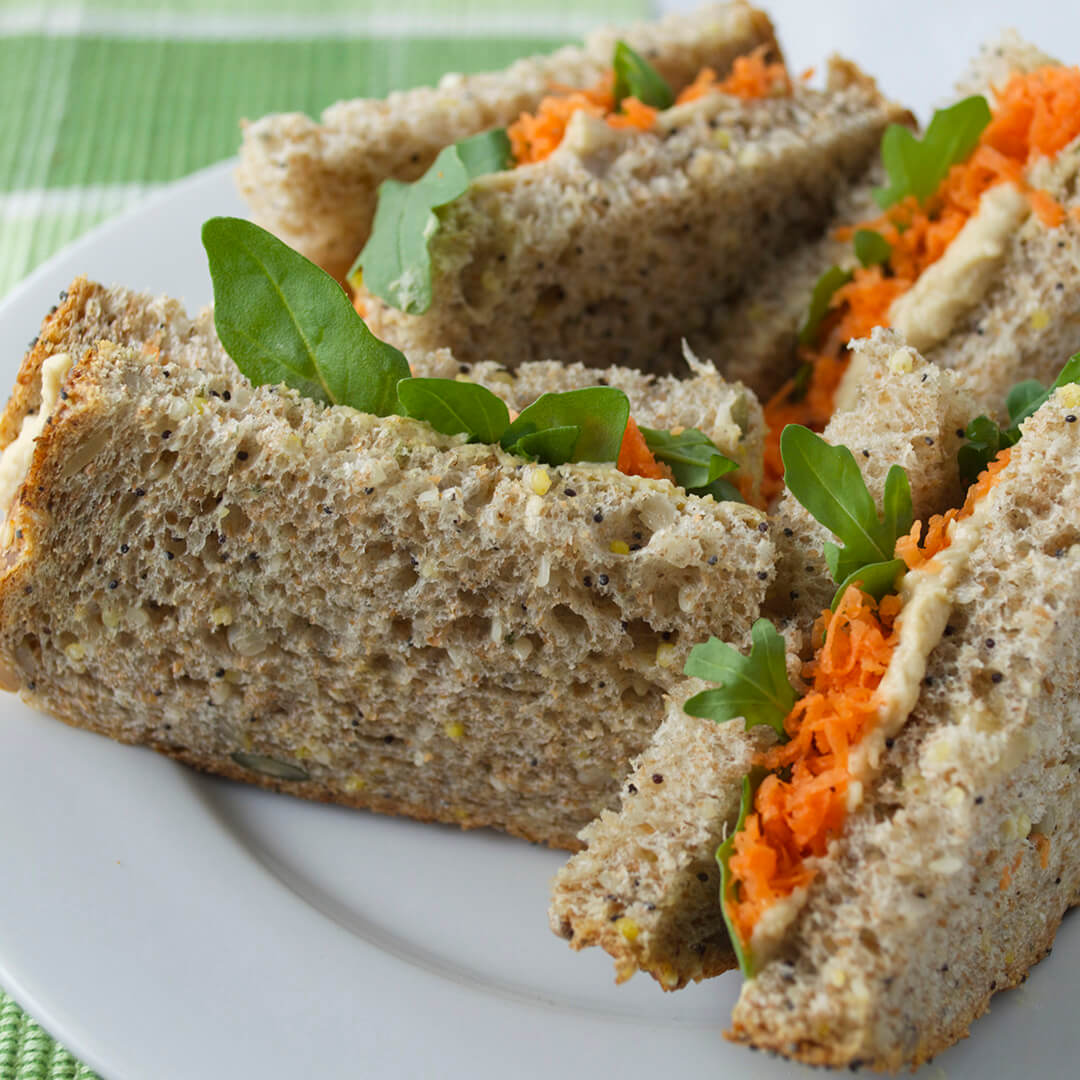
<point>314,184</point>
<point>904,844</point>
<point>402,601</point>
<point>617,219</point>
<point>965,241</point>
<point>650,867</point>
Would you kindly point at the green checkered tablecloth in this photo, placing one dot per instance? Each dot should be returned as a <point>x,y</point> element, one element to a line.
<point>103,102</point>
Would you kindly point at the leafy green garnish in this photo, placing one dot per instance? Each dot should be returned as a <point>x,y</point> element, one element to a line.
<point>917,167</point>
<point>691,455</point>
<point>636,77</point>
<point>986,440</point>
<point>576,425</point>
<point>727,886</point>
<point>833,279</point>
<point>455,408</point>
<point>754,687</point>
<point>871,248</point>
<point>395,264</point>
<point>876,579</point>
<point>826,481</point>
<point>283,320</point>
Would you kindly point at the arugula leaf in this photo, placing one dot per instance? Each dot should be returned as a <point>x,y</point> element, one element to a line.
<point>636,77</point>
<point>555,446</point>
<point>986,440</point>
<point>727,885</point>
<point>754,687</point>
<point>875,579</point>
<point>917,167</point>
<point>455,408</point>
<point>896,503</point>
<point>833,279</point>
<point>283,320</point>
<point>395,264</point>
<point>871,248</point>
<point>599,413</point>
<point>691,455</point>
<point>826,481</point>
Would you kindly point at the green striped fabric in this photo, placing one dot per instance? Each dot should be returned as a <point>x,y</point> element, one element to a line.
<point>105,101</point>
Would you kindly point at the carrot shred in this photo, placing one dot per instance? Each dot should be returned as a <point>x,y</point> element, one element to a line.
<point>751,77</point>
<point>535,136</point>
<point>918,555</point>
<point>1036,115</point>
<point>635,457</point>
<point>1042,846</point>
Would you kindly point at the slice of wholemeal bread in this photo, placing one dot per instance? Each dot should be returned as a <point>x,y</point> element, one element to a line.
<point>646,887</point>
<point>621,243</point>
<point>314,184</point>
<point>344,607</point>
<point>949,880</point>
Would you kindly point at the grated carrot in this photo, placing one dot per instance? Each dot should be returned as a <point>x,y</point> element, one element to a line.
<point>535,136</point>
<point>635,457</point>
<point>751,77</point>
<point>1036,115</point>
<point>938,537</point>
<point>793,819</point>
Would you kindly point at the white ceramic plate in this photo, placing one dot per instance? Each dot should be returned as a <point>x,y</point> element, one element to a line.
<point>167,925</point>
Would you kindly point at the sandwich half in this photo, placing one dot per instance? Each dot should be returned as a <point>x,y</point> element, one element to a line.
<point>965,241</point>
<point>906,843</point>
<point>645,887</point>
<point>314,183</point>
<point>351,607</point>
<point>611,228</point>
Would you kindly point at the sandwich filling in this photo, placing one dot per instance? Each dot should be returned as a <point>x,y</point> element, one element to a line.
<point>862,682</point>
<point>536,136</point>
<point>931,255</point>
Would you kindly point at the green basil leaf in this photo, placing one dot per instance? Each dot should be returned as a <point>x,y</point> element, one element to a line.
<point>600,412</point>
<point>1070,373</point>
<point>753,687</point>
<point>833,279</point>
<point>875,579</point>
<point>724,852</point>
<point>691,455</point>
<point>455,408</point>
<point>395,264</point>
<point>553,446</point>
<point>826,481</point>
<point>636,77</point>
<point>871,248</point>
<point>917,167</point>
<point>283,320</point>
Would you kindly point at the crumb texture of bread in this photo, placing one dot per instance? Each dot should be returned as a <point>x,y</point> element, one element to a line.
<point>348,608</point>
<point>646,887</point>
<point>905,411</point>
<point>949,881</point>
<point>314,184</point>
<point>621,244</point>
